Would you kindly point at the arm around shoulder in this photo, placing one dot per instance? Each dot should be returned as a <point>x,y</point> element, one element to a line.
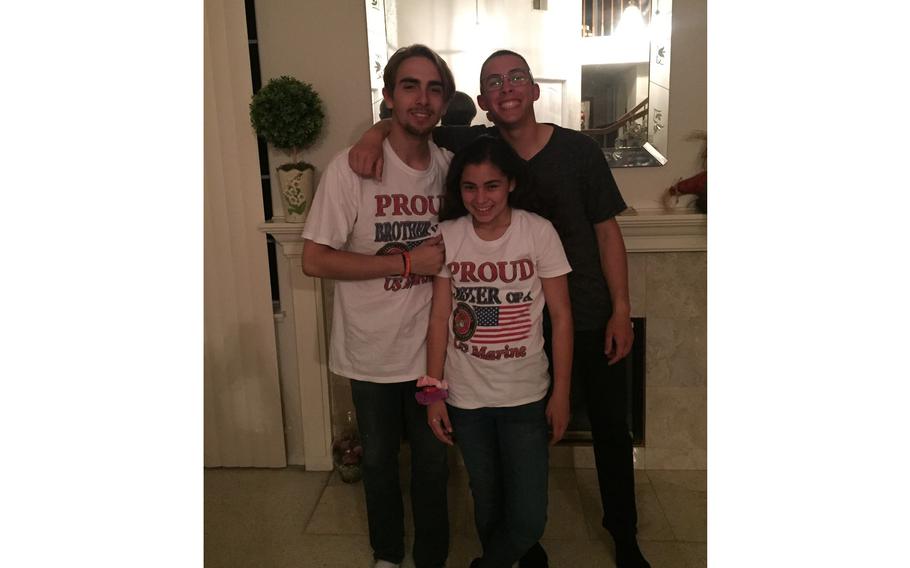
<point>365,157</point>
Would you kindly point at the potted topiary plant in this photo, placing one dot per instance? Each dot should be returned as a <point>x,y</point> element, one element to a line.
<point>288,114</point>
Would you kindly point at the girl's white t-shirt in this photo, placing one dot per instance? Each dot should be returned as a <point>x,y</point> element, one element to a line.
<point>495,355</point>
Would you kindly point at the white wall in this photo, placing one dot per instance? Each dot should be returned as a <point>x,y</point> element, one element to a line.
<point>324,43</point>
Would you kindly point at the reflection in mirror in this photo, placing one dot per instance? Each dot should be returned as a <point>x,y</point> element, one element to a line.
<point>602,65</point>
<point>614,106</point>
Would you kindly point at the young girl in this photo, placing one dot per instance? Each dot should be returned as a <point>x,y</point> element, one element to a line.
<point>502,263</point>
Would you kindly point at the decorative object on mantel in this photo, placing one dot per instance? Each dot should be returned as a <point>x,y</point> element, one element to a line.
<point>696,185</point>
<point>347,452</point>
<point>288,114</point>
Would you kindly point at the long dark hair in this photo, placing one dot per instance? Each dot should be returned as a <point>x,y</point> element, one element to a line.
<point>497,151</point>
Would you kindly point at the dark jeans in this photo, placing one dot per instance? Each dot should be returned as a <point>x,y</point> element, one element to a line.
<point>384,411</point>
<point>606,396</point>
<point>506,455</point>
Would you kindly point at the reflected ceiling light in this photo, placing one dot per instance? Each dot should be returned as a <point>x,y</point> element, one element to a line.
<point>631,23</point>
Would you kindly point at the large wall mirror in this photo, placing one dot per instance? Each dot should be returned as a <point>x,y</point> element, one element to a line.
<point>603,65</point>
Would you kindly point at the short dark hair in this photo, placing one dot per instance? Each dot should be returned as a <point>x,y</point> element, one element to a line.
<point>497,151</point>
<point>418,50</point>
<point>499,53</point>
<point>461,110</point>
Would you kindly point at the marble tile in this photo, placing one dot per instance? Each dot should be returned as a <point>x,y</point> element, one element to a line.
<point>579,553</point>
<point>685,480</point>
<point>639,457</point>
<point>676,417</point>
<point>676,352</point>
<point>236,533</point>
<point>663,554</point>
<point>672,458</point>
<point>341,510</point>
<point>251,515</point>
<point>247,485</point>
<point>652,522</point>
<point>686,510</point>
<point>695,553</point>
<point>676,284</point>
<point>562,456</point>
<point>592,508</point>
<point>312,551</point>
<point>565,517</point>
<point>583,457</point>
<point>332,551</point>
<point>277,518</point>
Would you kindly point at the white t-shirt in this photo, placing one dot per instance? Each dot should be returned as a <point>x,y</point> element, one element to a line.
<point>495,354</point>
<point>379,326</point>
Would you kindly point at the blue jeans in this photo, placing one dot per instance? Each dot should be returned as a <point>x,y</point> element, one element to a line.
<point>384,412</point>
<point>506,454</point>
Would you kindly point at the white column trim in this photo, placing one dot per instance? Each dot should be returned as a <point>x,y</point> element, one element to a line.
<point>311,345</point>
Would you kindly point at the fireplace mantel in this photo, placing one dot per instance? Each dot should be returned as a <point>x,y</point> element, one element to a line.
<point>643,230</point>
<point>655,230</point>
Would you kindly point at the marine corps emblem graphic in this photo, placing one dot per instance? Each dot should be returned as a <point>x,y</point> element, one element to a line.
<point>464,322</point>
<point>392,248</point>
<point>398,247</point>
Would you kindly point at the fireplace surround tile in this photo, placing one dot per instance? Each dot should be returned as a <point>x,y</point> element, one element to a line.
<point>676,419</point>
<point>676,352</point>
<point>676,284</point>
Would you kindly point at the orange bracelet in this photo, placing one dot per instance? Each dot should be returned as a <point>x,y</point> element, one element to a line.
<point>406,257</point>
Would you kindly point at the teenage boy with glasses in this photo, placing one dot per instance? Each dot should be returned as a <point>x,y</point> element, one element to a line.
<point>570,171</point>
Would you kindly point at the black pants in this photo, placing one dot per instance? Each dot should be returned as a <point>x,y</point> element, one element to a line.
<point>604,390</point>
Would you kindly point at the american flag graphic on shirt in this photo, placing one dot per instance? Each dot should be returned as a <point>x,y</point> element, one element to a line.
<point>498,324</point>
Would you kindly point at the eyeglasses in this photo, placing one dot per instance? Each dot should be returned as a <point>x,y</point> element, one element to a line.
<point>516,78</point>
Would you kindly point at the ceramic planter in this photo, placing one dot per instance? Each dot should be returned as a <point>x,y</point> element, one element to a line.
<point>297,190</point>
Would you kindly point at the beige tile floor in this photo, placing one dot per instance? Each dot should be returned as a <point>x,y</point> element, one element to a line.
<point>289,517</point>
